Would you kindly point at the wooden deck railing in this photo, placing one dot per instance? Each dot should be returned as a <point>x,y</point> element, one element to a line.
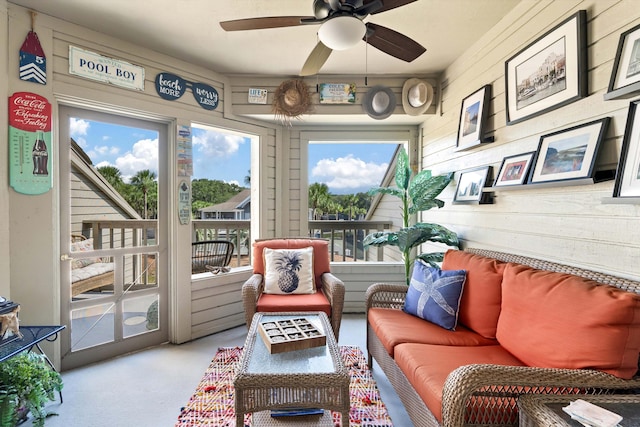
<point>345,237</point>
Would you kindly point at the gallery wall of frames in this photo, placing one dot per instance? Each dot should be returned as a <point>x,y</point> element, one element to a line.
<point>539,120</point>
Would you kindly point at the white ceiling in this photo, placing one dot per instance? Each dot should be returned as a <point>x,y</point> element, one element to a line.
<point>189,30</point>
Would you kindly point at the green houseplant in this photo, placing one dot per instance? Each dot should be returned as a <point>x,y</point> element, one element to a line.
<point>27,383</point>
<point>417,193</point>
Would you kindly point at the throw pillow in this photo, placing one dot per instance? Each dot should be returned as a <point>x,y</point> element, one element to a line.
<point>435,294</point>
<point>82,246</point>
<point>289,271</point>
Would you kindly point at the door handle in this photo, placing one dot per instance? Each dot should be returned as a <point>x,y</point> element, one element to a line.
<point>65,257</point>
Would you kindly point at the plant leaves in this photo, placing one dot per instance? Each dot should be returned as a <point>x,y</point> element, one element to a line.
<point>381,238</point>
<point>426,205</point>
<point>403,171</point>
<point>386,190</point>
<point>425,188</point>
<point>433,259</point>
<point>421,232</point>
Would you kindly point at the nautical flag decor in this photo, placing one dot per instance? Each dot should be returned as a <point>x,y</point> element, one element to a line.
<point>33,63</point>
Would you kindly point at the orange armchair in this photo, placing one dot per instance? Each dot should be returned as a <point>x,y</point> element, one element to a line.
<point>329,295</point>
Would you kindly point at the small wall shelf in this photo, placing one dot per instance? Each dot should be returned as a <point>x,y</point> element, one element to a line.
<point>600,176</point>
<point>621,200</point>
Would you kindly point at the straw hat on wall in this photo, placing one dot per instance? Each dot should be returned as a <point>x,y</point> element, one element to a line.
<point>379,102</point>
<point>291,100</point>
<point>417,96</point>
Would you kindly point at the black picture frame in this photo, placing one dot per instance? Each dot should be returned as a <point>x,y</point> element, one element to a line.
<point>625,76</point>
<point>562,54</point>
<point>514,170</point>
<point>474,113</point>
<point>627,183</point>
<point>471,186</point>
<point>569,154</point>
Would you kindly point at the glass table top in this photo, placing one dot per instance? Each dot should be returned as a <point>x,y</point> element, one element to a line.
<point>311,360</point>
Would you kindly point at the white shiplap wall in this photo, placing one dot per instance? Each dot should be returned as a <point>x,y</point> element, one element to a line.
<point>569,224</point>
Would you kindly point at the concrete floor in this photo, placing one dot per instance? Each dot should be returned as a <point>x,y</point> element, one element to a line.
<point>148,388</point>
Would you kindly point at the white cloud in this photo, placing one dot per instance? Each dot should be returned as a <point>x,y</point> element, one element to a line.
<point>144,155</point>
<point>77,127</point>
<point>215,146</point>
<point>349,172</point>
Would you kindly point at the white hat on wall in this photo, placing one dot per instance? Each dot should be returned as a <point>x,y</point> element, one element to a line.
<point>417,96</point>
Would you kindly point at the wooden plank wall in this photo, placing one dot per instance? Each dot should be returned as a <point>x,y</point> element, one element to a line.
<point>576,225</point>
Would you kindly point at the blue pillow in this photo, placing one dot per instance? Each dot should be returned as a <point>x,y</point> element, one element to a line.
<point>435,294</point>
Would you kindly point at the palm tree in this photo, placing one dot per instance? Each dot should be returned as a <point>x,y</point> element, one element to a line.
<point>144,180</point>
<point>113,176</point>
<point>318,197</point>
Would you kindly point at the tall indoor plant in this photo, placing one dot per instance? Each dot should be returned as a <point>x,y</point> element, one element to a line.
<point>27,383</point>
<point>417,193</point>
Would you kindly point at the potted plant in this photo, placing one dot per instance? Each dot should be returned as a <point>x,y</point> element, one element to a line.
<point>27,383</point>
<point>417,193</point>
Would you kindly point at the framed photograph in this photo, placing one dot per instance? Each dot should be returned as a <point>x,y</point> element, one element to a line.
<point>473,118</point>
<point>471,184</point>
<point>625,78</point>
<point>628,173</point>
<point>549,73</point>
<point>514,170</point>
<point>568,154</point>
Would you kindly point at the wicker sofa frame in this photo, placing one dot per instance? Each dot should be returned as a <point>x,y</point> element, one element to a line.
<point>498,387</point>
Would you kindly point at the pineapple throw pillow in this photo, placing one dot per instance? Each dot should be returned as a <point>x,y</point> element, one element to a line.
<point>288,271</point>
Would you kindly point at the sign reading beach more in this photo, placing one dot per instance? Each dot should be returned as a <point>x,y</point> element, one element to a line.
<point>108,70</point>
<point>172,87</point>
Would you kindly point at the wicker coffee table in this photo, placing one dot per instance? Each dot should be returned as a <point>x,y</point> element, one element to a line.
<point>309,378</point>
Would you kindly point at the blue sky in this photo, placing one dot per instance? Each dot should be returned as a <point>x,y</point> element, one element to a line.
<point>344,167</point>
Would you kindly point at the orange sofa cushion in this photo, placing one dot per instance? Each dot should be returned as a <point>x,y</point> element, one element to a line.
<point>393,327</point>
<point>482,296</point>
<point>558,320</point>
<point>294,302</point>
<point>427,366</point>
<point>321,259</point>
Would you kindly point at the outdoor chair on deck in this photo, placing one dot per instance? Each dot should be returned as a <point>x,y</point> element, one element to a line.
<point>210,255</point>
<point>273,287</point>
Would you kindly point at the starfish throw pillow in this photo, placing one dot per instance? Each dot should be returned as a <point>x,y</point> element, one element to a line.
<point>435,294</point>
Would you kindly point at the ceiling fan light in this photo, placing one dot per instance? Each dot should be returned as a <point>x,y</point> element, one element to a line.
<point>342,32</point>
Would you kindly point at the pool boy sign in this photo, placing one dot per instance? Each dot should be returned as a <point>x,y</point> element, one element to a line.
<point>108,70</point>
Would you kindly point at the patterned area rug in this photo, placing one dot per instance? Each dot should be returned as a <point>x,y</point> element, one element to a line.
<point>212,404</point>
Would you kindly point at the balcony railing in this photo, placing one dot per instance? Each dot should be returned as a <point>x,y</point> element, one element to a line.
<point>345,237</point>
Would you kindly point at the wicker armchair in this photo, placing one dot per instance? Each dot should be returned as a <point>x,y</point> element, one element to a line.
<point>483,394</point>
<point>330,290</point>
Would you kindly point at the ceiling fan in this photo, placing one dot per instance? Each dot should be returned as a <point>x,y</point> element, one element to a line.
<point>341,28</point>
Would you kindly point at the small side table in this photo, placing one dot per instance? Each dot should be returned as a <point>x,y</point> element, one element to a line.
<point>32,336</point>
<point>545,410</point>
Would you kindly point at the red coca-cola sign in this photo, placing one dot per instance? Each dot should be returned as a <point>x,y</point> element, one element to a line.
<point>30,112</point>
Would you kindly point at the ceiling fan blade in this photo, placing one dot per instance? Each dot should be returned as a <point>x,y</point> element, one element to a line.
<point>388,5</point>
<point>316,60</point>
<point>393,43</point>
<point>267,22</point>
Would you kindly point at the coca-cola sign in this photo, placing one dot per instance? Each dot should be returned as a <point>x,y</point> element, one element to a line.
<point>30,143</point>
<point>30,112</point>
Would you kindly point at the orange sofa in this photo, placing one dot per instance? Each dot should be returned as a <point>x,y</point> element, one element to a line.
<point>524,326</point>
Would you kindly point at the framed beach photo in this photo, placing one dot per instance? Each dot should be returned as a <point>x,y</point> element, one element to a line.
<point>550,72</point>
<point>473,118</point>
<point>471,184</point>
<point>628,173</point>
<point>514,170</point>
<point>625,78</point>
<point>568,154</point>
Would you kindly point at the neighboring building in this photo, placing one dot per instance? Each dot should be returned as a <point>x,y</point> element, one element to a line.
<point>92,197</point>
<point>238,207</point>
